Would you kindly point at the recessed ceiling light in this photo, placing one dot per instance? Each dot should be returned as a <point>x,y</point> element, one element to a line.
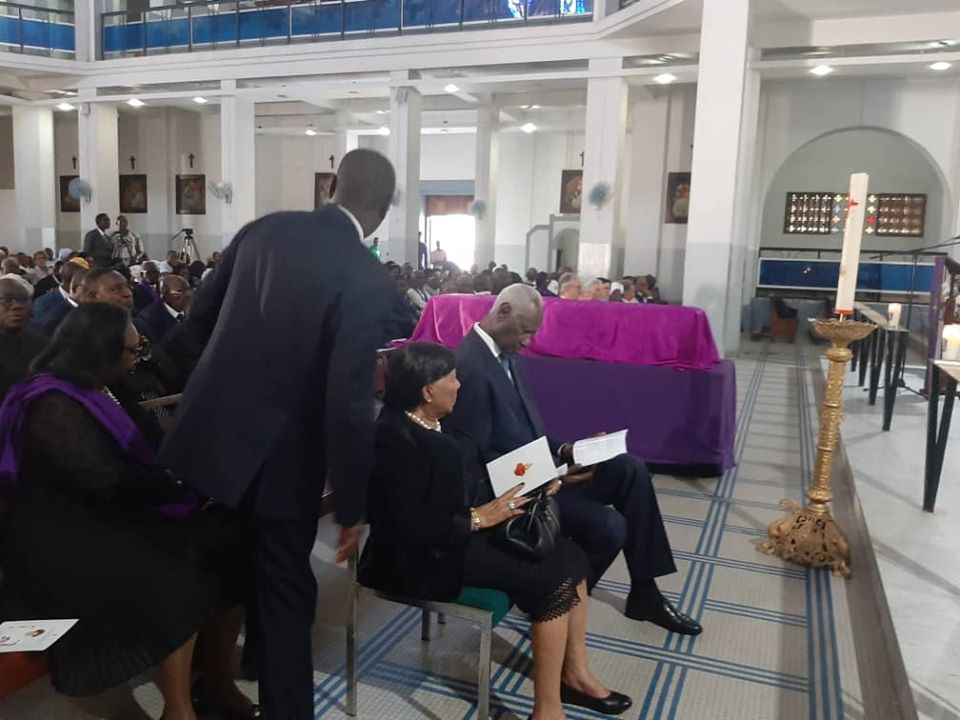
<point>451,88</point>
<point>534,107</point>
<point>200,100</point>
<point>66,107</point>
<point>528,128</point>
<point>664,79</point>
<point>310,132</point>
<point>941,66</point>
<point>381,112</point>
<point>821,70</point>
<point>135,102</point>
<point>383,130</point>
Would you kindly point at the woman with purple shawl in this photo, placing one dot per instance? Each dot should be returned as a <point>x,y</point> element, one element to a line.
<point>98,531</point>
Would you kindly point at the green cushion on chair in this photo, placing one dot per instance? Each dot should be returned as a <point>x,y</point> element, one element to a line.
<point>496,602</point>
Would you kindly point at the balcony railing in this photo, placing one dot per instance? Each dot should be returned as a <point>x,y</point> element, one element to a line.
<point>214,25</point>
<point>36,30</point>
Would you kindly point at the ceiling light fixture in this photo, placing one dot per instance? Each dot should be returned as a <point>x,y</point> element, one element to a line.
<point>200,100</point>
<point>309,132</point>
<point>528,128</point>
<point>65,107</point>
<point>383,130</point>
<point>135,102</point>
<point>534,107</point>
<point>664,79</point>
<point>821,70</point>
<point>941,66</point>
<point>451,88</point>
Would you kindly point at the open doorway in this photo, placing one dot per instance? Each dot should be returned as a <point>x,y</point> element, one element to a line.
<point>449,222</point>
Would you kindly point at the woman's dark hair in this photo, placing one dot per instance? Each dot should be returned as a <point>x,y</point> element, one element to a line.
<point>88,342</point>
<point>412,368</point>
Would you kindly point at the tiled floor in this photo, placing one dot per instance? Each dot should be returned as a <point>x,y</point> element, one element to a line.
<point>777,644</point>
<point>917,552</point>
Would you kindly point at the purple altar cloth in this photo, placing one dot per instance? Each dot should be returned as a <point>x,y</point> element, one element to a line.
<point>678,337</point>
<point>674,417</point>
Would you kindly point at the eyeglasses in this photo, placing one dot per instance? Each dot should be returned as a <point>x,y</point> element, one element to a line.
<point>11,300</point>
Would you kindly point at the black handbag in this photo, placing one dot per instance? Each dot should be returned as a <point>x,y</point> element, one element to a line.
<point>534,534</point>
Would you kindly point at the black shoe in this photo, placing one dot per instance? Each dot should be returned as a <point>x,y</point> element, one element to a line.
<point>664,614</point>
<point>613,704</point>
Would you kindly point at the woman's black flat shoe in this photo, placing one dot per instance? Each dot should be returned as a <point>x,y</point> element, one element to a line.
<point>613,704</point>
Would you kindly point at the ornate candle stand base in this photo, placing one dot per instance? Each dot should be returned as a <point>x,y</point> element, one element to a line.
<point>810,536</point>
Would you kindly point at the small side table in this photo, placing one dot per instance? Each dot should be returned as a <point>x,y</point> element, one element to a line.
<point>938,427</point>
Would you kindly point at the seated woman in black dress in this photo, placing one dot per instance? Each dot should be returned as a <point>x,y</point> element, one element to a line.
<point>429,533</point>
<point>98,532</point>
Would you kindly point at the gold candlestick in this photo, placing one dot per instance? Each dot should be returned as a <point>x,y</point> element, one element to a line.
<point>810,536</point>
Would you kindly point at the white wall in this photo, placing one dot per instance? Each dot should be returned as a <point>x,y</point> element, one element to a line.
<point>285,168</point>
<point>926,110</point>
<point>66,143</point>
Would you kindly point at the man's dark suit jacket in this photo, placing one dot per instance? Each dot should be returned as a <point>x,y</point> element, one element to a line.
<point>49,311</point>
<point>158,321</point>
<point>282,397</point>
<point>497,414</point>
<point>99,247</point>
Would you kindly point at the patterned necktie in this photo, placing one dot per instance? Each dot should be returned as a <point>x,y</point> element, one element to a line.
<point>505,364</point>
<point>180,317</point>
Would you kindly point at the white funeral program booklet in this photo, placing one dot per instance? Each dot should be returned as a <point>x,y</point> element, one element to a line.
<point>531,465</point>
<point>593,451</point>
<point>32,635</point>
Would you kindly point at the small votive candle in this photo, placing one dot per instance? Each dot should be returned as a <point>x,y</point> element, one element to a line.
<point>894,311</point>
<point>951,343</point>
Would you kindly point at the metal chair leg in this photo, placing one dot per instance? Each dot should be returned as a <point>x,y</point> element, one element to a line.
<point>352,643</point>
<point>425,625</point>
<point>483,676</point>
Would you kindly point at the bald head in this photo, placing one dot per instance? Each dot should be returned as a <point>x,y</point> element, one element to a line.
<point>176,292</point>
<point>365,186</point>
<point>15,306</point>
<point>515,318</point>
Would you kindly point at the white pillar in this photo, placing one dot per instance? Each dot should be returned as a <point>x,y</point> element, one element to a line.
<point>404,145</point>
<point>485,182</point>
<point>86,20</point>
<point>345,139</point>
<point>649,135</point>
<point>34,177</point>
<point>99,162</point>
<point>601,239</point>
<point>237,162</point>
<point>713,250</point>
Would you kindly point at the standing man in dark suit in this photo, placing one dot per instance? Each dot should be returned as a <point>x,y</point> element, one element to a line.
<point>604,509</point>
<point>282,401</point>
<point>162,316</point>
<point>97,244</point>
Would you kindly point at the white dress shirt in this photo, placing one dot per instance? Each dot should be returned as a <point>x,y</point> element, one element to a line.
<point>492,346</point>
<point>173,313</point>
<point>66,296</point>
<point>353,219</point>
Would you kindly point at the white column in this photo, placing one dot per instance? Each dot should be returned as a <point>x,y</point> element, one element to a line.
<point>86,23</point>
<point>649,135</point>
<point>345,139</point>
<point>34,177</point>
<point>601,239</point>
<point>237,162</point>
<point>485,182</point>
<point>99,162</point>
<point>713,249</point>
<point>404,153</point>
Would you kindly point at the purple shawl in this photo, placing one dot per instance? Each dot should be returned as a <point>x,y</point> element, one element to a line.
<point>111,416</point>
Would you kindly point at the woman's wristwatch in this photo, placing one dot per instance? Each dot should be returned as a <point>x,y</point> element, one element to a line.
<point>474,520</point>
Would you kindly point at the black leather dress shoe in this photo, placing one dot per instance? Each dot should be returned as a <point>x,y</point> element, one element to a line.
<point>664,614</point>
<point>613,704</point>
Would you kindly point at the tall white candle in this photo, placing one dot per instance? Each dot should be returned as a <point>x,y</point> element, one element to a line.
<point>894,311</point>
<point>951,342</point>
<point>852,237</point>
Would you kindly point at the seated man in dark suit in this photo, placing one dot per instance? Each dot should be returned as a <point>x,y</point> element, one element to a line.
<point>605,508</point>
<point>53,307</point>
<point>19,344</point>
<point>160,317</point>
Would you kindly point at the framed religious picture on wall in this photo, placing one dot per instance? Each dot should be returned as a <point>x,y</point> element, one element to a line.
<point>191,194</point>
<point>68,203</point>
<point>324,183</point>
<point>571,191</point>
<point>678,198</point>
<point>133,194</point>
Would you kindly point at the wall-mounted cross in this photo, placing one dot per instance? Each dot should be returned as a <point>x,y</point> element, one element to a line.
<point>331,162</point>
<point>582,155</point>
<point>74,161</point>
<point>133,163</point>
<point>191,157</point>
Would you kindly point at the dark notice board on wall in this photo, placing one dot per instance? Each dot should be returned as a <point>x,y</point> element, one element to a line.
<point>825,213</point>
